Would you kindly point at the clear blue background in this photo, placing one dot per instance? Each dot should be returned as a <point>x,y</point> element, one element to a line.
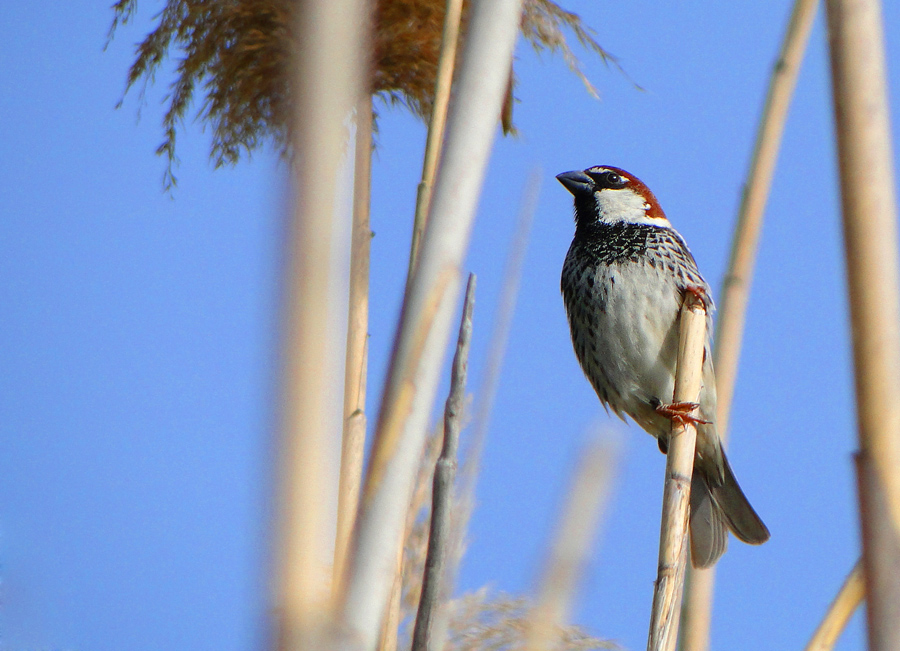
<point>138,347</point>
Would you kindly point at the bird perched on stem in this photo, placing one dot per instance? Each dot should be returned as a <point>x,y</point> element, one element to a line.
<point>623,283</point>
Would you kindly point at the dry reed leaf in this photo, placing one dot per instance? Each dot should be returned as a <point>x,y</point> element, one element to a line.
<point>231,57</point>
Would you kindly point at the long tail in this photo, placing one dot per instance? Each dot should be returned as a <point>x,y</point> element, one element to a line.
<point>709,533</point>
<point>717,507</point>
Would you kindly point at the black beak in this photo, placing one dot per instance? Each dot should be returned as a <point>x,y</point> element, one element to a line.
<point>576,182</point>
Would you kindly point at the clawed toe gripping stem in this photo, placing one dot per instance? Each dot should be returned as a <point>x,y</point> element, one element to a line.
<point>682,412</point>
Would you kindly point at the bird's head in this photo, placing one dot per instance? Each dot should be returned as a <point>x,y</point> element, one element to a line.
<point>611,195</point>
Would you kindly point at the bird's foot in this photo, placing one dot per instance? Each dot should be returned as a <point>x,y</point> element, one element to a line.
<point>700,294</point>
<point>681,412</point>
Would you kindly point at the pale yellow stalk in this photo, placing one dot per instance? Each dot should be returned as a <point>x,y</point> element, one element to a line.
<point>869,208</point>
<point>326,85</point>
<point>673,539</point>
<point>435,137</point>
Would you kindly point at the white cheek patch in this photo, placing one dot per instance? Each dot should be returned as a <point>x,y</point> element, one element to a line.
<point>625,205</point>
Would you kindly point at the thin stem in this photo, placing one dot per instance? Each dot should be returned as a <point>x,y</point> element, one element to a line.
<point>443,82</point>
<point>673,538</point>
<point>839,612</point>
<point>443,483</point>
<point>738,279</point>
<point>391,623</point>
<point>735,294</point>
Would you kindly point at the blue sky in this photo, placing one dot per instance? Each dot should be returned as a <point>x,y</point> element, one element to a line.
<point>137,340</point>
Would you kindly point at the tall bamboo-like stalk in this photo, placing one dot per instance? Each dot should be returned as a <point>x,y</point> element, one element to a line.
<point>697,612</point>
<point>425,324</point>
<point>354,433</point>
<point>446,64</point>
<point>869,208</point>
<point>326,81</point>
<point>673,538</point>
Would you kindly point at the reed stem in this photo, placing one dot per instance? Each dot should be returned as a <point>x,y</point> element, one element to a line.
<point>839,612</point>
<point>869,208</point>
<point>435,137</point>
<point>326,78</point>
<point>673,539</point>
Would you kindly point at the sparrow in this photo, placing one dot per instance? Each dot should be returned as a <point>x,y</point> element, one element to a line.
<point>623,283</point>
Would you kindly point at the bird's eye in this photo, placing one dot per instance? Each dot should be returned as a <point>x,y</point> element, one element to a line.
<point>606,179</point>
